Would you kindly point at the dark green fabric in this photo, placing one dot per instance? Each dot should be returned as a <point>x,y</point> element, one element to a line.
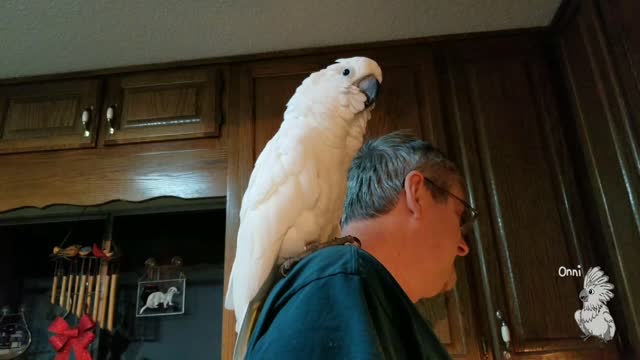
<point>341,303</point>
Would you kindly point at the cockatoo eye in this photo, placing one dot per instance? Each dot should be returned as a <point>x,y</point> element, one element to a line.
<point>590,291</point>
<point>346,72</point>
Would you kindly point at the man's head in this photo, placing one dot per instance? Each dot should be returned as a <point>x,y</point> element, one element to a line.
<point>406,204</point>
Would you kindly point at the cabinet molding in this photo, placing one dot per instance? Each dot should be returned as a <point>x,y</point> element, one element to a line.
<point>185,169</point>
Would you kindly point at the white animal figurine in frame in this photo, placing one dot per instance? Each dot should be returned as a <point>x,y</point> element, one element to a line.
<point>158,298</point>
<point>161,297</point>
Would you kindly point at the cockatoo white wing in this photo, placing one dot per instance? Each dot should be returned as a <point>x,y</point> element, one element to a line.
<point>611,325</point>
<point>578,318</point>
<point>280,200</point>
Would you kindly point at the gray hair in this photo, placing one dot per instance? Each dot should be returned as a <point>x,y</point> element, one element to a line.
<point>377,173</point>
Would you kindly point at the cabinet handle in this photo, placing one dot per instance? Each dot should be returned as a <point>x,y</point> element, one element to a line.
<point>110,113</point>
<point>506,335</point>
<point>86,117</point>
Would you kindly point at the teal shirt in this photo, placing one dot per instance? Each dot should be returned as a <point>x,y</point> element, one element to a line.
<point>341,303</point>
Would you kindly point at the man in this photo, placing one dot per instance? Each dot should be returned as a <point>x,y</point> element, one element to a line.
<point>405,204</point>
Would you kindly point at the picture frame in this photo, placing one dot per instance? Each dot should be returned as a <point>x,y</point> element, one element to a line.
<point>160,297</point>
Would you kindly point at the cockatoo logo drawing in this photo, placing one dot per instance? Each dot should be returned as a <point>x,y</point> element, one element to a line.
<point>594,319</point>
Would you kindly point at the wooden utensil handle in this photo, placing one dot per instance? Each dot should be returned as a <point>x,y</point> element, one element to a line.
<point>54,289</point>
<point>112,301</point>
<point>76,288</point>
<point>80,303</point>
<point>63,290</point>
<point>96,299</point>
<point>67,305</point>
<point>104,296</point>
<point>89,294</point>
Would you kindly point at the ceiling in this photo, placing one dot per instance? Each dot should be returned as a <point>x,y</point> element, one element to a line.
<point>46,37</point>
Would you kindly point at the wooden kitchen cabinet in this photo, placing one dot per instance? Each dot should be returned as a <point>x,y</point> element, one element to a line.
<point>162,105</point>
<point>137,107</point>
<point>599,52</point>
<point>48,116</point>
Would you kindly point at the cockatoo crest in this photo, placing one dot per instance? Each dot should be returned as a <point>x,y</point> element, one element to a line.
<point>597,289</point>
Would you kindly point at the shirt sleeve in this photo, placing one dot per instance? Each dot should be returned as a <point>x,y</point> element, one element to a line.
<point>328,318</point>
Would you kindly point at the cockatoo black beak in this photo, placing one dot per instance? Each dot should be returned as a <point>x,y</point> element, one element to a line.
<point>369,86</point>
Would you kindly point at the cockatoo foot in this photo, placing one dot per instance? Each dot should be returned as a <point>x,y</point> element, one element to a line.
<point>315,246</point>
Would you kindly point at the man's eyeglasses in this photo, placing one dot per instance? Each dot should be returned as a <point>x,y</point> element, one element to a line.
<point>469,215</point>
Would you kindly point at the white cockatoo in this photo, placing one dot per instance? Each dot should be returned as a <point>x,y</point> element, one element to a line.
<point>594,318</point>
<point>297,188</point>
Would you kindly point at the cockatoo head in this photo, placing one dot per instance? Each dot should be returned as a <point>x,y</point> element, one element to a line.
<point>338,92</point>
<point>596,288</point>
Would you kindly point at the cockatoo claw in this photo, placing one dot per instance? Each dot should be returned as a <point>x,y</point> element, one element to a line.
<point>312,247</point>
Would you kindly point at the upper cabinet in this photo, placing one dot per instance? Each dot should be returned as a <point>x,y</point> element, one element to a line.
<point>162,105</point>
<point>47,116</point>
<point>136,107</point>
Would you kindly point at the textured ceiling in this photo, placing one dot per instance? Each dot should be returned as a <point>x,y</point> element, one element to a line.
<point>46,36</point>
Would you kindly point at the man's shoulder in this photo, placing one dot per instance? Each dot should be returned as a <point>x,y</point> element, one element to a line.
<point>334,260</point>
<point>337,293</point>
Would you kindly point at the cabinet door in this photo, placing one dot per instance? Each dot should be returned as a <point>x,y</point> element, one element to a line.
<point>408,100</point>
<point>162,105</point>
<point>503,113</point>
<point>48,116</point>
<point>599,53</point>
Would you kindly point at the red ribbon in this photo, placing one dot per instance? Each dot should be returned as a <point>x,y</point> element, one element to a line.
<point>67,338</point>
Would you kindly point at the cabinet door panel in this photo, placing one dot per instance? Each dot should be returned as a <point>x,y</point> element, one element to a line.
<point>163,105</point>
<point>511,148</point>
<point>48,116</point>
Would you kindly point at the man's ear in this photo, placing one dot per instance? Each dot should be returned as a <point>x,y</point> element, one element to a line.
<point>412,191</point>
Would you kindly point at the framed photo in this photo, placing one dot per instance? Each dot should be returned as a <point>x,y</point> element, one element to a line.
<point>160,297</point>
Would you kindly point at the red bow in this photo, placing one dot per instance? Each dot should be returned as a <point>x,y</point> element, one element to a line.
<point>66,338</point>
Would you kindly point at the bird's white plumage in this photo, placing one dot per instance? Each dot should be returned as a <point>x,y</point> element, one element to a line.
<point>298,185</point>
